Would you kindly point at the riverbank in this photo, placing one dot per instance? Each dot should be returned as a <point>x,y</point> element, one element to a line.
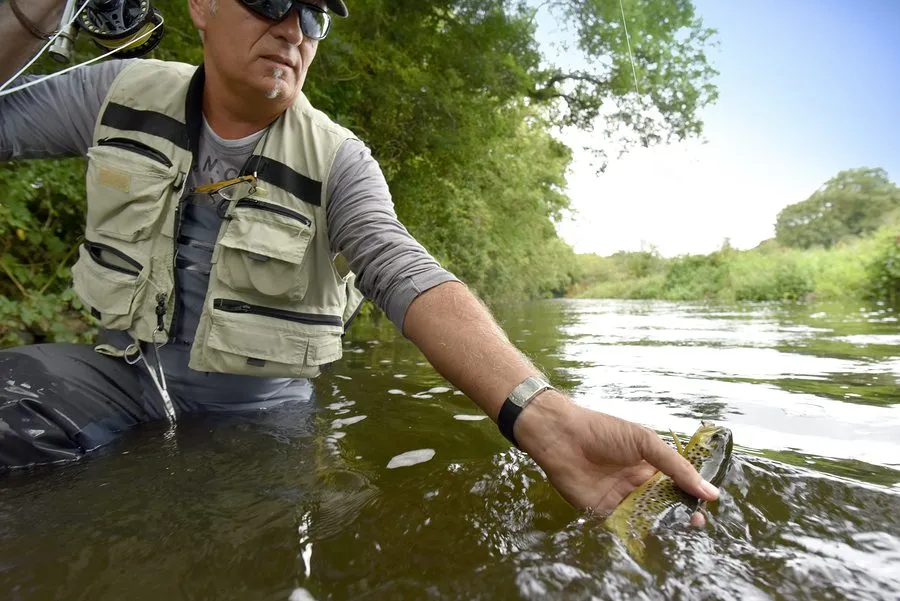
<point>858,269</point>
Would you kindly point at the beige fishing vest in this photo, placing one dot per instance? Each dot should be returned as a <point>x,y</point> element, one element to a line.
<point>278,300</point>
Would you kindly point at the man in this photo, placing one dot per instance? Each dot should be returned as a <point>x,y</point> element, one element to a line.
<point>226,173</point>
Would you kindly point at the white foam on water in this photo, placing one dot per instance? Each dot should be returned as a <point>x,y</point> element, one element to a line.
<point>347,421</point>
<point>301,594</point>
<point>411,458</point>
<point>469,418</point>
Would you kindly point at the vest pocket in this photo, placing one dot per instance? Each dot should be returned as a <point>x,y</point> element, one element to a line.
<point>262,249</point>
<point>107,281</point>
<point>252,339</point>
<point>127,183</point>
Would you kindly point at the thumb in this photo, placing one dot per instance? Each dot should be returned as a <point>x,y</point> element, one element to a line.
<point>667,460</point>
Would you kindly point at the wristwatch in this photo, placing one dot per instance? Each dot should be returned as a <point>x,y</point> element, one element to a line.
<point>517,400</point>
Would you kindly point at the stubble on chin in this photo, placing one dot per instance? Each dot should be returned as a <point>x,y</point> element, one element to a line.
<point>275,92</point>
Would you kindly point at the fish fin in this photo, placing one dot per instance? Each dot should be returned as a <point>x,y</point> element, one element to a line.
<point>678,444</point>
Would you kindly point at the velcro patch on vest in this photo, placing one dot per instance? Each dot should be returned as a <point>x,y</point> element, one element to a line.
<point>114,179</point>
<point>256,362</point>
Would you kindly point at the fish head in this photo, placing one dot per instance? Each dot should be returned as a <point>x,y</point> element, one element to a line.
<point>709,451</point>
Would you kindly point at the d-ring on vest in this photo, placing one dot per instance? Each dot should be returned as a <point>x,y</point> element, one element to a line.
<point>278,300</point>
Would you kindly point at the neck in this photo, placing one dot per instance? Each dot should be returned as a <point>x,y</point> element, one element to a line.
<point>228,112</point>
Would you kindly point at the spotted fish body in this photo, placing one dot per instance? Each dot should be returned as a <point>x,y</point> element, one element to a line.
<point>709,451</point>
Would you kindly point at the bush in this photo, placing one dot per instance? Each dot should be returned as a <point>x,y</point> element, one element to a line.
<point>884,269</point>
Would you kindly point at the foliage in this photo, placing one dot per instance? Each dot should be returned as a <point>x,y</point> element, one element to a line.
<point>884,268</point>
<point>673,78</point>
<point>767,273</point>
<point>776,276</point>
<point>825,249</point>
<point>457,104</point>
<point>853,203</point>
<point>40,218</point>
<point>694,276</point>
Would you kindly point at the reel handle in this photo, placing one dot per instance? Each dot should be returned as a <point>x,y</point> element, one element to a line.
<point>63,46</point>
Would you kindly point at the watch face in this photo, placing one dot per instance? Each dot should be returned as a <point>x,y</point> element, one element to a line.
<point>527,389</point>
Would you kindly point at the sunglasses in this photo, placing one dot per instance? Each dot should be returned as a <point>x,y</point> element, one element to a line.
<point>314,21</point>
<point>232,189</point>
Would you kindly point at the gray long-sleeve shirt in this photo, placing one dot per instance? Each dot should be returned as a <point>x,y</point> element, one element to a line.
<point>57,118</point>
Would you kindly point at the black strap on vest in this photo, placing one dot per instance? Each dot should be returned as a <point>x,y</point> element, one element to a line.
<point>193,111</point>
<point>269,170</point>
<point>126,118</point>
<point>187,136</point>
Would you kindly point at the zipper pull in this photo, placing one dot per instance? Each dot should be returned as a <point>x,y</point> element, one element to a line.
<point>160,312</point>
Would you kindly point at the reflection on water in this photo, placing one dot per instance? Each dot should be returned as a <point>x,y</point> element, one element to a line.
<point>390,487</point>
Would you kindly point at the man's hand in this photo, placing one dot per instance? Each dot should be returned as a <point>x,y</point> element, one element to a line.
<point>594,460</point>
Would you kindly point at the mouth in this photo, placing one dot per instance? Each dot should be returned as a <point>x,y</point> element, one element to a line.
<point>280,60</point>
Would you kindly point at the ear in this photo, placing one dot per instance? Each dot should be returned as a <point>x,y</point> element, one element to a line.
<point>199,10</point>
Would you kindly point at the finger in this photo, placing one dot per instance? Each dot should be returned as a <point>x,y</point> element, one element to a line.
<point>698,520</point>
<point>667,460</point>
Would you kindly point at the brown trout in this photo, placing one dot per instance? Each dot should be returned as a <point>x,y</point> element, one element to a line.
<point>708,450</point>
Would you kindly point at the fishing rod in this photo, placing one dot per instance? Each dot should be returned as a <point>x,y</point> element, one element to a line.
<point>127,28</point>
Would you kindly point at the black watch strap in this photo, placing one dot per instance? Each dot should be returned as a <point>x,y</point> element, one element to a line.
<point>517,400</point>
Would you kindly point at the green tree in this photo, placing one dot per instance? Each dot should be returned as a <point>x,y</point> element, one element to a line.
<point>853,203</point>
<point>458,105</point>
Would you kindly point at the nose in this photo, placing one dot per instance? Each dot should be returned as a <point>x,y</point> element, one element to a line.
<point>288,29</point>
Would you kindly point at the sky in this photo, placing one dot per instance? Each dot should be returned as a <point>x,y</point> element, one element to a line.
<point>807,88</point>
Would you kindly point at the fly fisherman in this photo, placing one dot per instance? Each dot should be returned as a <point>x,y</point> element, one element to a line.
<point>229,224</point>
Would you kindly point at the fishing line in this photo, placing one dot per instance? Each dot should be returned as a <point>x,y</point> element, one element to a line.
<point>630,55</point>
<point>5,92</point>
<point>40,52</point>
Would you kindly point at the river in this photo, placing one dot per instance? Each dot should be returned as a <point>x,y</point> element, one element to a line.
<point>391,486</point>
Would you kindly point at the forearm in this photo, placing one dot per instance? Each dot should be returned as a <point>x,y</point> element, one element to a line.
<point>462,341</point>
<point>594,460</point>
<point>17,44</point>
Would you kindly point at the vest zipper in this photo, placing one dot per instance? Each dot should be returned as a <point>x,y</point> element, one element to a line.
<point>95,248</point>
<point>234,306</point>
<point>176,300</point>
<point>137,147</point>
<point>273,208</point>
<point>353,315</point>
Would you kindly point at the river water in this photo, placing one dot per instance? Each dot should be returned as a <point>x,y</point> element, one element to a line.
<point>390,486</point>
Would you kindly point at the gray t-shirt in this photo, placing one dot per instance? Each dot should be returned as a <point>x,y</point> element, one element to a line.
<point>57,118</point>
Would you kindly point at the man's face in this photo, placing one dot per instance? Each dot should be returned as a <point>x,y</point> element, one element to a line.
<point>253,54</point>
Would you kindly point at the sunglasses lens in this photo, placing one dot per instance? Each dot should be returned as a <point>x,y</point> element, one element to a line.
<point>236,191</point>
<point>270,9</point>
<point>314,23</point>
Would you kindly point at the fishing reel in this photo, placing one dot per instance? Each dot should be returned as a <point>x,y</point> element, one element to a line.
<point>131,27</point>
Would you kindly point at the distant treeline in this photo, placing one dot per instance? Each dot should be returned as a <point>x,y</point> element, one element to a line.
<point>842,243</point>
<point>457,104</point>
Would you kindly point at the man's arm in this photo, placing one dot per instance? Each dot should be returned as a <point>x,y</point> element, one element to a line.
<point>17,44</point>
<point>55,118</point>
<point>594,460</point>
<point>591,458</point>
<point>391,267</point>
